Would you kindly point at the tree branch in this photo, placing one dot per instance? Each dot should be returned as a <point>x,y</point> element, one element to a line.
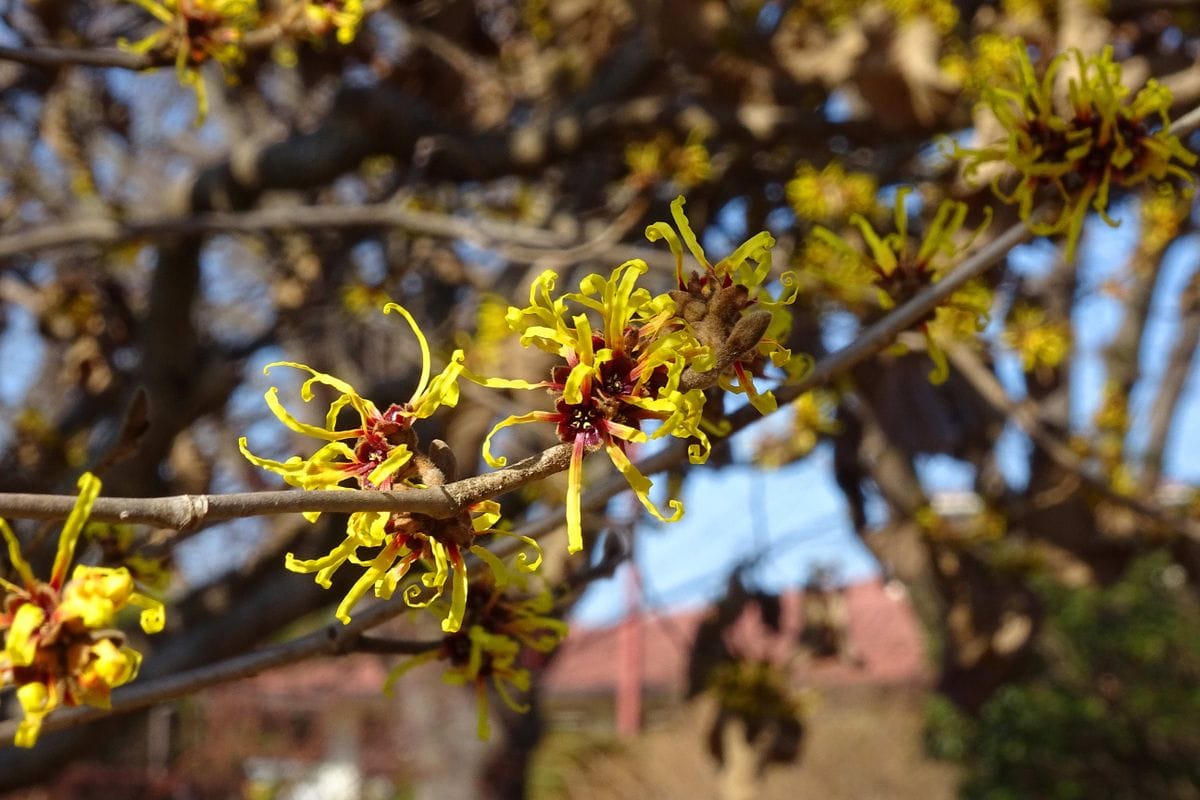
<point>517,243</point>
<point>62,57</point>
<point>187,512</point>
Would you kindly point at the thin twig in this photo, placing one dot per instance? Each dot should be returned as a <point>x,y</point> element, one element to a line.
<point>518,243</point>
<point>62,56</point>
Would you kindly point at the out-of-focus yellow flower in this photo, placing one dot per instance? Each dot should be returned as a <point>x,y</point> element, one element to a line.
<point>1104,139</point>
<point>196,31</point>
<point>830,195</point>
<point>506,628</point>
<point>1163,215</point>
<point>662,158</point>
<point>896,267</point>
<point>739,282</point>
<point>1041,344</point>
<point>59,645</point>
<point>812,417</point>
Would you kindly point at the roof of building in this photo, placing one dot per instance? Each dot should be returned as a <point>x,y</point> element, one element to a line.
<point>885,645</point>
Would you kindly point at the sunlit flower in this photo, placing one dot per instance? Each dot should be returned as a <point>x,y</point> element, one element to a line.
<point>407,539</point>
<point>506,629</point>
<point>612,379</point>
<point>896,267</point>
<point>713,302</point>
<point>1104,139</point>
<point>196,31</point>
<point>60,648</point>
<point>380,452</point>
<point>383,442</point>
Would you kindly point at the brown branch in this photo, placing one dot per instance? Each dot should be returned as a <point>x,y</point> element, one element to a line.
<point>185,512</point>
<point>518,243</point>
<point>62,57</point>
<point>334,639</point>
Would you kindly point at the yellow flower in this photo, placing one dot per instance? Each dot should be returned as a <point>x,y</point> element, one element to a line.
<point>830,195</point>
<point>383,441</point>
<point>1040,343</point>
<point>658,159</point>
<point>346,16</point>
<point>612,379</point>
<point>59,648</point>
<point>1104,139</point>
<point>895,269</point>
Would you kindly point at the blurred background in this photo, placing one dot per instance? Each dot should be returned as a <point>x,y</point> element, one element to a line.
<point>886,589</point>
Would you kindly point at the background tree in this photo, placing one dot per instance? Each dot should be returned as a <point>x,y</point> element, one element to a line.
<point>193,189</point>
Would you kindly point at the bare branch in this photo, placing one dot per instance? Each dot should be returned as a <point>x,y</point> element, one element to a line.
<point>518,243</point>
<point>185,512</point>
<point>62,57</point>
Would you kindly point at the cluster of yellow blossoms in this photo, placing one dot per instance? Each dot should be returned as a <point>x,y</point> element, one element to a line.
<point>1103,139</point>
<point>629,359</point>
<point>60,647</point>
<point>195,32</point>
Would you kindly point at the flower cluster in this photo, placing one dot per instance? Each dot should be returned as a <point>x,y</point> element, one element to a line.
<point>663,158</point>
<point>195,32</point>
<point>896,267</point>
<point>507,628</point>
<point>1041,343</point>
<point>1104,139</point>
<point>633,367</point>
<point>612,379</point>
<point>380,451</point>
<point>60,648</point>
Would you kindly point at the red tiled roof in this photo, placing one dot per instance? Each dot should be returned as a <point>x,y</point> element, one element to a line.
<point>883,633</point>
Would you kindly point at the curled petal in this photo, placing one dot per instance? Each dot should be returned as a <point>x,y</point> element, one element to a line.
<point>416,329</point>
<point>641,485</point>
<point>516,419</point>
